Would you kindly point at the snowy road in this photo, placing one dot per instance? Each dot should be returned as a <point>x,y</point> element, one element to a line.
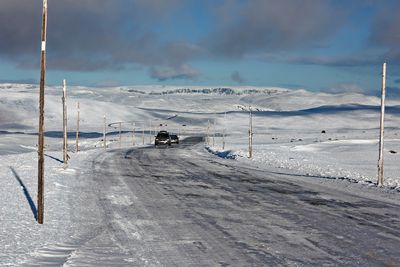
<point>181,206</point>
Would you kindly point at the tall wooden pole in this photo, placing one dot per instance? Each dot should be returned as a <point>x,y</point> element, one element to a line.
<point>143,135</point>
<point>40,200</point>
<point>65,144</point>
<point>213,139</point>
<point>150,138</point>
<point>120,134</point>
<point>77,128</point>
<point>104,132</point>
<point>223,134</point>
<point>251,130</point>
<point>382,127</point>
<point>133,137</point>
<point>250,133</point>
<point>208,133</point>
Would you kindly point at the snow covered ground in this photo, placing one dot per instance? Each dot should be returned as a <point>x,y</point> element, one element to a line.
<point>333,136</point>
<point>338,144</point>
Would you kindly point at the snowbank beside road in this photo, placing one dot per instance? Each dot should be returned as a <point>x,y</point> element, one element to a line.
<point>353,160</point>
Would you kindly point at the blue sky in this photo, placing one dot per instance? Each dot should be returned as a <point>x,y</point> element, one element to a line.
<point>321,45</point>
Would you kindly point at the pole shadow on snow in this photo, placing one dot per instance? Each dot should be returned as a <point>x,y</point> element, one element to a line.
<point>26,193</point>
<point>56,159</point>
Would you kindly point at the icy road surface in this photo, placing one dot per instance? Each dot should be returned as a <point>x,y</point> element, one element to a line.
<point>181,206</point>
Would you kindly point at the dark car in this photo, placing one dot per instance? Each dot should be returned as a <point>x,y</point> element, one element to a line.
<point>174,138</point>
<point>162,138</point>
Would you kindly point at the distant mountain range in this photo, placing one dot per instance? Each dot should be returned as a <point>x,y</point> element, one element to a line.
<point>219,91</point>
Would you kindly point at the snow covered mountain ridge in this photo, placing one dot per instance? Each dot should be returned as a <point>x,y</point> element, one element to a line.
<point>220,91</point>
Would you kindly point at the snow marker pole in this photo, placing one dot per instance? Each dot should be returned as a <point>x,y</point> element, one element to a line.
<point>104,132</point>
<point>120,137</point>
<point>150,132</point>
<point>77,128</point>
<point>223,134</point>
<point>133,137</point>
<point>40,200</point>
<point>213,139</point>
<point>250,133</point>
<point>143,135</point>
<point>208,133</point>
<point>65,144</point>
<point>382,127</point>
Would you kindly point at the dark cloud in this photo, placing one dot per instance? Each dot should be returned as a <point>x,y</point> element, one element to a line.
<point>17,27</point>
<point>273,25</point>
<point>91,35</point>
<point>385,32</point>
<point>271,29</point>
<point>166,73</point>
<point>236,77</point>
<point>361,59</point>
<point>383,44</point>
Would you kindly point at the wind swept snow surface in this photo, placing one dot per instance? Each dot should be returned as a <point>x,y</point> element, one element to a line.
<point>69,209</point>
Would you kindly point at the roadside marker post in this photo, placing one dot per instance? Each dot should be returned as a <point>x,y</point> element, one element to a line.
<point>65,142</point>
<point>104,132</point>
<point>250,133</point>
<point>223,133</point>
<point>143,135</point>
<point>382,127</point>
<point>133,137</point>
<point>77,128</point>
<point>150,139</point>
<point>120,134</point>
<point>208,133</point>
<point>213,139</point>
<point>40,200</point>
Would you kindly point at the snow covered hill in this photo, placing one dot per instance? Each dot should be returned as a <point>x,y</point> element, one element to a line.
<point>287,123</point>
<point>318,135</point>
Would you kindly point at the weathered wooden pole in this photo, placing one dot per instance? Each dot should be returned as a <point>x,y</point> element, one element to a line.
<point>250,133</point>
<point>143,135</point>
<point>65,143</point>
<point>251,130</point>
<point>105,132</point>
<point>223,139</point>
<point>208,132</point>
<point>213,139</point>
<point>133,137</point>
<point>150,138</point>
<point>120,134</point>
<point>223,134</point>
<point>40,199</point>
<point>382,127</point>
<point>77,128</point>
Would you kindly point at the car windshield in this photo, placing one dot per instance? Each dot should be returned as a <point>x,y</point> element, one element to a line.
<point>162,135</point>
